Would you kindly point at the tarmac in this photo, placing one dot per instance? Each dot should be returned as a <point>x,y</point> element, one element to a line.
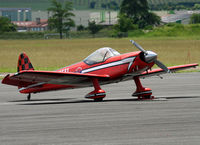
<point>67,118</point>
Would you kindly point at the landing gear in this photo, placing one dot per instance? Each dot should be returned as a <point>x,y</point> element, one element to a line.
<point>98,94</point>
<point>29,97</point>
<point>141,92</point>
<point>98,99</point>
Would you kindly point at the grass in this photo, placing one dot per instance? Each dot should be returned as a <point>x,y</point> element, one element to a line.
<point>54,54</point>
<point>169,31</point>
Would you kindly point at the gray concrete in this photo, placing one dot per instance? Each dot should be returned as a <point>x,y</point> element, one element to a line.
<point>65,117</point>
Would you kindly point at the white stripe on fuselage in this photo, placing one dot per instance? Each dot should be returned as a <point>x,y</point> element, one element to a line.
<point>120,62</point>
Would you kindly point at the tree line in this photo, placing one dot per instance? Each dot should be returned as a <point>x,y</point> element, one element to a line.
<point>133,15</point>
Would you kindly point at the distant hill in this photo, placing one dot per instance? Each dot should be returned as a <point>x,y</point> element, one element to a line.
<point>80,4</point>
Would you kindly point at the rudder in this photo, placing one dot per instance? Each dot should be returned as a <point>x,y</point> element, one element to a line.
<point>24,63</point>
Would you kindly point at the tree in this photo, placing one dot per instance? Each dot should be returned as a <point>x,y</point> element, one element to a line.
<point>94,28</point>
<point>92,5</point>
<point>138,11</point>
<point>103,5</point>
<point>80,28</point>
<point>113,5</point>
<point>124,24</point>
<point>196,7</point>
<point>180,7</point>
<point>134,8</point>
<point>149,19</point>
<point>6,25</point>
<point>195,18</point>
<point>61,20</point>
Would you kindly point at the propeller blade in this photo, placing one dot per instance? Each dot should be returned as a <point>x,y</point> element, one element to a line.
<point>138,46</point>
<point>162,66</point>
<point>151,56</point>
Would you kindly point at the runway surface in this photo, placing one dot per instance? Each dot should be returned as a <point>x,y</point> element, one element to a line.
<point>66,117</point>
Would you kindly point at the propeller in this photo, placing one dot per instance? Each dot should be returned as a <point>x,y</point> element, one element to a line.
<point>161,65</point>
<point>139,47</point>
<point>150,56</point>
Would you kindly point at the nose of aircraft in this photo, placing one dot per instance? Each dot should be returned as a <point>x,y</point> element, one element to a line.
<point>150,56</point>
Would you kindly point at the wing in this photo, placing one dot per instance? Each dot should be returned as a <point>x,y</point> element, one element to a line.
<point>26,78</point>
<point>172,69</point>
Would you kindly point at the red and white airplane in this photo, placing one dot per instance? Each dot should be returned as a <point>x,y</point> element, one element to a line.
<point>104,66</point>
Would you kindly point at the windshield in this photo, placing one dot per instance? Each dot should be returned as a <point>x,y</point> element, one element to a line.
<point>100,55</point>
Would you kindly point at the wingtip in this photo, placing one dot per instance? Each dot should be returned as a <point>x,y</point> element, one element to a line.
<point>5,79</point>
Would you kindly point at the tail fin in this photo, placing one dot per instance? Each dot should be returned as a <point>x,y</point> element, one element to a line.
<point>24,63</point>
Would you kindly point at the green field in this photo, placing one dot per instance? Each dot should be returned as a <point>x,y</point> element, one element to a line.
<point>54,54</point>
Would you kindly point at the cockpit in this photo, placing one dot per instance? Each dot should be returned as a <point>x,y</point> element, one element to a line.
<point>100,55</point>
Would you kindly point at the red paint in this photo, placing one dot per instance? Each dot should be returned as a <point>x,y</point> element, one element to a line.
<point>141,92</point>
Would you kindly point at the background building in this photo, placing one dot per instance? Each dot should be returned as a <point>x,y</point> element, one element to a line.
<point>39,25</point>
<point>17,14</point>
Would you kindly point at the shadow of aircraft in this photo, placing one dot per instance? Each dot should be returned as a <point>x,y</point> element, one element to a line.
<point>71,101</point>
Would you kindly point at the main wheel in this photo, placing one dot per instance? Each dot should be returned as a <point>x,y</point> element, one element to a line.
<point>29,97</point>
<point>98,99</point>
<point>147,97</point>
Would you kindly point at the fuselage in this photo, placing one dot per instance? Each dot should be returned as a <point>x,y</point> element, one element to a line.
<point>117,67</point>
